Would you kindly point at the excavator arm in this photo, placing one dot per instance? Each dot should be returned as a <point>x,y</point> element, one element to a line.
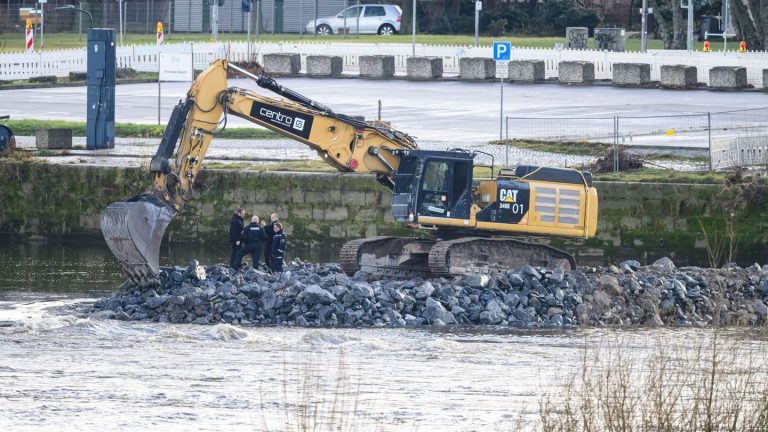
<point>134,229</point>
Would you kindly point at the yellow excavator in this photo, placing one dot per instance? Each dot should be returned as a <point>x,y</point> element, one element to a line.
<point>470,221</point>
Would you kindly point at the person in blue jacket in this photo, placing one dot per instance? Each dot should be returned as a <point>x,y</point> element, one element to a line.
<point>279,244</point>
<point>253,236</point>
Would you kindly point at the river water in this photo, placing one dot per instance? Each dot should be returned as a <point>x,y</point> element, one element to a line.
<point>61,369</point>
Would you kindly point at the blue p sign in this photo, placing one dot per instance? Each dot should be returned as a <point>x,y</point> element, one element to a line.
<point>502,51</point>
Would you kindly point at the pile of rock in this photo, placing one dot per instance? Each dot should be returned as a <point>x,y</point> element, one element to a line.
<point>321,295</point>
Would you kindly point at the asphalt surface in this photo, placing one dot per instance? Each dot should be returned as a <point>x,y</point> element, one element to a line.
<point>452,111</point>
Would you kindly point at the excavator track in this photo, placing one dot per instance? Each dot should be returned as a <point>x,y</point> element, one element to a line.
<point>386,256</point>
<point>411,257</point>
<point>470,255</point>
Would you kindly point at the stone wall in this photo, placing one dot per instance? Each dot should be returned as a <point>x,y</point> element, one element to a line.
<point>637,220</point>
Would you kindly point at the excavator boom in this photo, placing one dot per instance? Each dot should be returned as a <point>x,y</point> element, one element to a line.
<point>134,229</point>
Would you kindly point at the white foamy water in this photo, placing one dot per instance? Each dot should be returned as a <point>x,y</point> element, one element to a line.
<point>62,371</point>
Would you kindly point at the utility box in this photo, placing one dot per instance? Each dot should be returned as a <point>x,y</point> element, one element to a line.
<point>100,128</point>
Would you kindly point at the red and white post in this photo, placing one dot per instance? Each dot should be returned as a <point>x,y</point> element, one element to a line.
<point>160,38</point>
<point>30,37</point>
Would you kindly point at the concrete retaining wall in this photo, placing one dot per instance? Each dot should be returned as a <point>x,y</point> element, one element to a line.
<point>678,76</point>
<point>727,77</point>
<point>631,74</point>
<point>476,68</point>
<point>378,66</point>
<point>526,70</point>
<point>282,64</point>
<point>637,220</point>
<point>576,72</point>
<point>324,66</point>
<point>424,67</point>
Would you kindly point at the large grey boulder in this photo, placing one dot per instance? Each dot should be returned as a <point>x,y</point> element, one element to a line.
<point>314,294</point>
<point>576,72</point>
<point>678,76</point>
<point>727,77</point>
<point>282,64</point>
<point>324,66</point>
<point>424,67</point>
<point>526,70</point>
<point>631,74</point>
<point>476,68</point>
<point>377,66</point>
<point>434,311</point>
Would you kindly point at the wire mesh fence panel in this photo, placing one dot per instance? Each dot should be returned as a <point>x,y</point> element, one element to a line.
<point>729,124</point>
<point>586,130</point>
<point>688,131</point>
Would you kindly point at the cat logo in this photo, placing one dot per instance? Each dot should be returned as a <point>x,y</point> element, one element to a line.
<point>508,195</point>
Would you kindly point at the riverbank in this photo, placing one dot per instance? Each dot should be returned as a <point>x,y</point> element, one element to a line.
<point>643,221</point>
<point>320,295</point>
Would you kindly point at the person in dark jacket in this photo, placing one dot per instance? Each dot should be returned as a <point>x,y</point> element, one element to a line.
<point>270,230</point>
<point>277,251</point>
<point>236,226</point>
<point>252,236</point>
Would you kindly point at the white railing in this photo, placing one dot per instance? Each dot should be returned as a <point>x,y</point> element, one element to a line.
<point>742,151</point>
<point>144,57</point>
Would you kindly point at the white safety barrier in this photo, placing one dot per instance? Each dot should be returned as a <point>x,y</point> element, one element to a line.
<point>742,151</point>
<point>144,57</point>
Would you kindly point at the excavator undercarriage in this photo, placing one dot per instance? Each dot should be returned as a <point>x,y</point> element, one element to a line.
<point>410,256</point>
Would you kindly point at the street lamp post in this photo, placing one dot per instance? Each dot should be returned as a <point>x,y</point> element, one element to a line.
<point>78,10</point>
<point>413,29</point>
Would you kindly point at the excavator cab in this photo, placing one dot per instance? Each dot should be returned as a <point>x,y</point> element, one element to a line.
<point>434,184</point>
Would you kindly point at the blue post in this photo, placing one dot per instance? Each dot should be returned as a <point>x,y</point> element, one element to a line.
<point>101,89</point>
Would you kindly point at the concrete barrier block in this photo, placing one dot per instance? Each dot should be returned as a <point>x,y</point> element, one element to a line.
<point>424,67</point>
<point>526,70</point>
<point>765,79</point>
<point>476,68</point>
<point>728,77</point>
<point>282,64</point>
<point>631,74</point>
<point>54,139</point>
<point>609,39</point>
<point>377,66</point>
<point>678,76</point>
<point>576,72</point>
<point>576,37</point>
<point>330,66</point>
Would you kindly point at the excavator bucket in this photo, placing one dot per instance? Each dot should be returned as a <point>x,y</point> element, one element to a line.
<point>133,231</point>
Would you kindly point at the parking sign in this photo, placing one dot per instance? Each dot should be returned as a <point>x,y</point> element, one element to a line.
<point>502,51</point>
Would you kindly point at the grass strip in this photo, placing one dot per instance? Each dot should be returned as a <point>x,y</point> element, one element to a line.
<point>128,130</point>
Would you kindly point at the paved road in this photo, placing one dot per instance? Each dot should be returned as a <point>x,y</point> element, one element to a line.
<point>459,112</point>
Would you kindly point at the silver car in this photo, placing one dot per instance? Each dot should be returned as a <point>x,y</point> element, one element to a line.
<point>371,18</point>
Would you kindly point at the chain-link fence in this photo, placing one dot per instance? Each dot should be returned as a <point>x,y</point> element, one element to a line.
<point>139,16</point>
<point>183,16</point>
<point>729,138</point>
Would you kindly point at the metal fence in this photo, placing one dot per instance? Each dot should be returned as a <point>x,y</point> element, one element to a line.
<point>139,16</point>
<point>728,138</point>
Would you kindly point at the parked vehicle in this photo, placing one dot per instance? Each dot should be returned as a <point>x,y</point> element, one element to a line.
<point>371,19</point>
